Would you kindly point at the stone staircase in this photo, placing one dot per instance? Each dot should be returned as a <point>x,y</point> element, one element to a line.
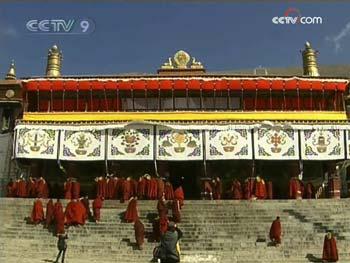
<point>224,231</point>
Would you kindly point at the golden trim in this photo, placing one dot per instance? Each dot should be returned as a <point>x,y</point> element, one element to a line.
<point>186,116</point>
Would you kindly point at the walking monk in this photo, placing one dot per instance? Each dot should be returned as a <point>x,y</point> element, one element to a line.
<point>139,233</point>
<point>162,207</point>
<point>180,196</point>
<point>276,232</point>
<point>131,213</point>
<point>37,215</point>
<point>330,251</point>
<point>96,207</point>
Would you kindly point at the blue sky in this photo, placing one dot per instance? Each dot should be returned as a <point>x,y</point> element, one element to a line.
<point>134,37</point>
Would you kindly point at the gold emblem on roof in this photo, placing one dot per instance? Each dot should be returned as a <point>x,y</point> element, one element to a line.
<point>182,60</point>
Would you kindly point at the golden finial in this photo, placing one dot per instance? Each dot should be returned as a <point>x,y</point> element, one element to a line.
<point>11,74</point>
<point>168,65</point>
<point>196,64</point>
<point>309,61</point>
<point>181,59</point>
<point>54,59</point>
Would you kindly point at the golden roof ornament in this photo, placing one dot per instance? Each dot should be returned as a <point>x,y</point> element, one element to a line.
<point>181,59</point>
<point>167,65</point>
<point>182,63</point>
<point>196,64</point>
<point>11,74</point>
<point>54,59</point>
<point>309,61</point>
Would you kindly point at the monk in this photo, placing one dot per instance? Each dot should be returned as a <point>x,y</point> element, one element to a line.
<point>37,212</point>
<point>160,187</point>
<point>162,206</point>
<point>86,204</point>
<point>147,186</point>
<point>49,213</point>
<point>180,196</point>
<point>141,188</point>
<point>119,188</point>
<point>294,188</point>
<point>21,188</point>
<point>153,190</point>
<point>310,191</point>
<point>236,190</point>
<point>96,207</point>
<point>67,188</point>
<point>276,232</point>
<point>59,217</point>
<point>131,213</point>
<point>110,191</point>
<point>134,185</point>
<point>75,189</point>
<point>217,187</point>
<point>139,233</point>
<point>126,190</point>
<point>176,211</point>
<point>207,189</point>
<point>169,191</point>
<point>163,224</point>
<point>75,213</point>
<point>31,188</point>
<point>101,186</point>
<point>42,189</point>
<point>269,190</point>
<point>260,188</point>
<point>249,188</point>
<point>330,251</point>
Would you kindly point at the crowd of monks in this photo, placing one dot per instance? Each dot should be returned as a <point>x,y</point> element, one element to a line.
<point>31,188</point>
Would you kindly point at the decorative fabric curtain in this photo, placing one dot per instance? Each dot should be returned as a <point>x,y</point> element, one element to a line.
<point>131,143</point>
<point>232,143</point>
<point>322,144</point>
<point>36,142</point>
<point>88,145</point>
<point>276,144</point>
<point>176,145</point>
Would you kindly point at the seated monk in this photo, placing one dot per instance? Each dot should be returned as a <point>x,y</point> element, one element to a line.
<point>330,251</point>
<point>176,211</point>
<point>180,196</point>
<point>310,191</point>
<point>276,231</point>
<point>59,217</point>
<point>169,191</point>
<point>260,188</point>
<point>96,207</point>
<point>139,233</point>
<point>37,215</point>
<point>131,213</point>
<point>162,207</point>
<point>49,213</point>
<point>236,190</point>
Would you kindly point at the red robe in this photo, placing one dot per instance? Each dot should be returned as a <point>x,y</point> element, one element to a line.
<point>294,189</point>
<point>330,251</point>
<point>217,190</point>
<point>179,195</point>
<point>42,189</point>
<point>276,231</point>
<point>68,190</point>
<point>131,212</point>
<point>59,218</point>
<point>169,191</point>
<point>176,211</point>
<point>31,188</point>
<point>163,224</point>
<point>133,188</point>
<point>260,189</point>
<point>75,213</point>
<point>49,212</point>
<point>110,193</point>
<point>236,190</point>
<point>153,189</point>
<point>160,187</point>
<point>75,190</point>
<point>249,188</point>
<point>162,208</point>
<point>14,189</point>
<point>9,189</point>
<point>96,207</point>
<point>269,190</point>
<point>21,188</point>
<point>141,188</point>
<point>119,189</point>
<point>147,188</point>
<point>126,190</point>
<point>309,193</point>
<point>37,212</point>
<point>139,232</point>
<point>101,187</point>
<point>86,204</point>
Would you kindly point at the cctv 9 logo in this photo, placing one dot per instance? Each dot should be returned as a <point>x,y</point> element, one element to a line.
<point>61,26</point>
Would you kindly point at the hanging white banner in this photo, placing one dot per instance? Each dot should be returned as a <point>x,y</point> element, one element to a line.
<point>229,144</point>
<point>35,142</point>
<point>82,145</point>
<point>322,144</point>
<point>131,143</point>
<point>176,145</point>
<point>276,144</point>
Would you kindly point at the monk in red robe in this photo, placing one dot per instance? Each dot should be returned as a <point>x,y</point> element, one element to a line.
<point>176,211</point>
<point>217,187</point>
<point>269,190</point>
<point>131,213</point>
<point>169,191</point>
<point>236,190</point>
<point>163,224</point>
<point>141,188</point>
<point>207,189</point>
<point>310,191</point>
<point>162,206</point>
<point>134,186</point>
<point>31,192</point>
<point>42,189</point>
<point>160,187</point>
<point>96,207</point>
<point>37,215</point>
<point>75,213</point>
<point>59,217</point>
<point>294,188</point>
<point>126,189</point>
<point>260,188</point>
<point>75,189</point>
<point>180,196</point>
<point>153,190</point>
<point>101,186</point>
<point>249,188</point>
<point>330,251</point>
<point>49,213</point>
<point>139,233</point>
<point>21,188</point>
<point>67,188</point>
<point>147,186</point>
<point>276,232</point>
<point>111,185</point>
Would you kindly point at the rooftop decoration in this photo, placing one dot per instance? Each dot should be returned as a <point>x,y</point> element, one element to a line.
<point>11,74</point>
<point>309,61</point>
<point>54,60</point>
<point>182,62</point>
